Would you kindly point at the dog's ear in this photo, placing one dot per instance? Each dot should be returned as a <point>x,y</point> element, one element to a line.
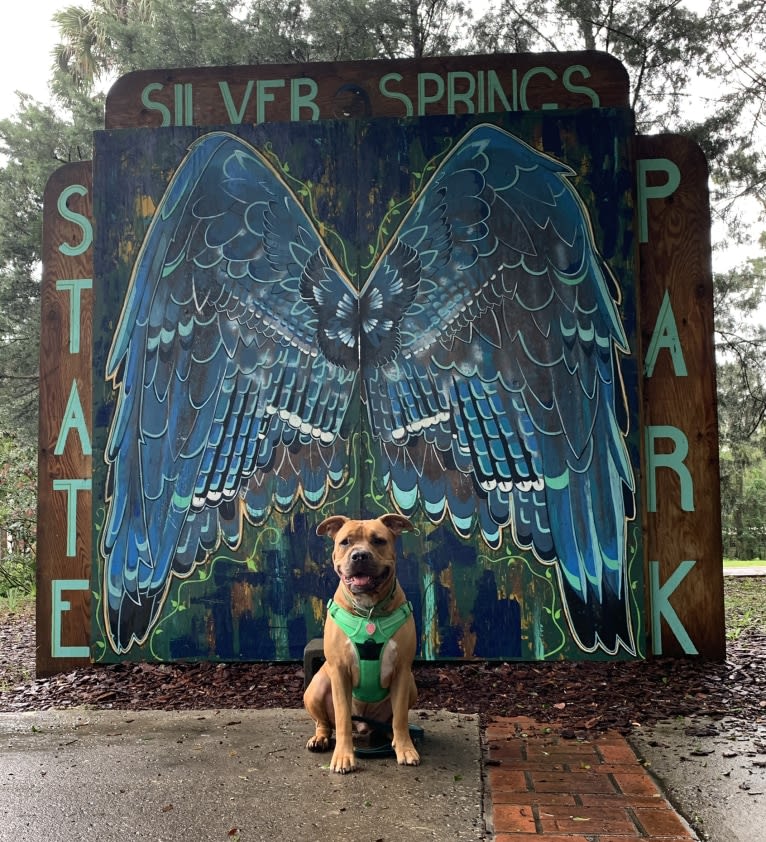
<point>396,523</point>
<point>331,525</point>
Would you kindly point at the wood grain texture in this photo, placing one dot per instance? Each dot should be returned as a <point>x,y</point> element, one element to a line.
<point>677,260</point>
<point>395,88</point>
<point>59,369</point>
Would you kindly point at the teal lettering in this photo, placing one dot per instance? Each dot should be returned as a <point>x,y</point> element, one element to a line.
<point>75,286</point>
<point>77,218</point>
<point>465,97</point>
<point>71,486</point>
<point>527,78</point>
<point>673,460</point>
<point>74,419</point>
<point>235,115</point>
<point>425,98</point>
<point>660,191</point>
<point>155,106</point>
<point>389,94</point>
<point>665,335</point>
<point>661,607</point>
<point>183,104</point>
<point>178,95</point>
<point>58,607</point>
<point>300,100</point>
<point>189,102</point>
<point>495,90</point>
<point>580,89</point>
<point>263,87</point>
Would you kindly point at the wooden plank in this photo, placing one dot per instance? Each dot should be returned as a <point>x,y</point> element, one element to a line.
<point>397,88</point>
<point>680,396</point>
<point>64,461</point>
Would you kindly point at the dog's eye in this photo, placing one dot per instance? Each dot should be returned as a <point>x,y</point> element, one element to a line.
<point>345,542</point>
<point>378,540</point>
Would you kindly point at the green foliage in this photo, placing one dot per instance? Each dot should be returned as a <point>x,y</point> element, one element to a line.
<point>114,37</point>
<point>743,499</point>
<point>34,143</point>
<point>741,351</point>
<point>738,64</point>
<point>16,601</point>
<point>663,46</point>
<point>18,493</point>
<point>659,43</point>
<point>741,379</point>
<point>744,606</point>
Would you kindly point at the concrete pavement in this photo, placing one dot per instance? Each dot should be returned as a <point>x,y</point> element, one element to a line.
<point>745,571</point>
<point>211,776</point>
<point>246,775</point>
<point>714,771</point>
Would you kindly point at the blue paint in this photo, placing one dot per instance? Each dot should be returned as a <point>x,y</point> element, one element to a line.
<point>453,581</point>
<point>496,623</point>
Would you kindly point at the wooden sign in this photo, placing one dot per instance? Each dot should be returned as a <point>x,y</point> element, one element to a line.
<point>683,570</point>
<point>208,96</point>
<point>683,513</point>
<point>64,464</point>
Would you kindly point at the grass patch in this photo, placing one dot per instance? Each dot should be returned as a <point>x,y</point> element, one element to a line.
<point>15,601</point>
<point>735,562</point>
<point>744,605</point>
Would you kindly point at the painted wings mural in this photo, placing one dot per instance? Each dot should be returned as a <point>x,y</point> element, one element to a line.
<point>483,345</point>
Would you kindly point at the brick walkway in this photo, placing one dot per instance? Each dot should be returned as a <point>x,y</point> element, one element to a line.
<point>554,789</point>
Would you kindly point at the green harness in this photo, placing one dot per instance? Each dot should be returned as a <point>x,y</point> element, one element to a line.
<point>369,635</point>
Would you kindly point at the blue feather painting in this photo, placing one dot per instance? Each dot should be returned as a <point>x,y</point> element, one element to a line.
<point>433,316</point>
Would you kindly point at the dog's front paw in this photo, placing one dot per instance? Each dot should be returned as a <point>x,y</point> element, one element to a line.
<point>318,743</point>
<point>343,762</point>
<point>407,756</point>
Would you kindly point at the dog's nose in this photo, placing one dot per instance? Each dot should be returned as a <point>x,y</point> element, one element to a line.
<point>360,555</point>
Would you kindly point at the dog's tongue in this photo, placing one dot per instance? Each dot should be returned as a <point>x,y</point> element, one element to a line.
<point>359,581</point>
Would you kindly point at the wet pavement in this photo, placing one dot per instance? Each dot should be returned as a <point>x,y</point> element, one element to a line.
<point>246,775</point>
<point>713,771</point>
<point>226,775</point>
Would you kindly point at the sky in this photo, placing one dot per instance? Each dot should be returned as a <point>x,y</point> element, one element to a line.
<point>27,38</point>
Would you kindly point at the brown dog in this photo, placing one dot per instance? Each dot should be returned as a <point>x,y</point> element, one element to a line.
<point>369,606</point>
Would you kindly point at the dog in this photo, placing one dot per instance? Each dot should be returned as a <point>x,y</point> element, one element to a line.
<point>370,606</point>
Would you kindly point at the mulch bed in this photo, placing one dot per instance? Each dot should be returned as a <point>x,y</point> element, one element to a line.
<point>579,696</point>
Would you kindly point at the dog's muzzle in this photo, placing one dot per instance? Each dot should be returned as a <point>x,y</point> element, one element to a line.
<point>361,574</point>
